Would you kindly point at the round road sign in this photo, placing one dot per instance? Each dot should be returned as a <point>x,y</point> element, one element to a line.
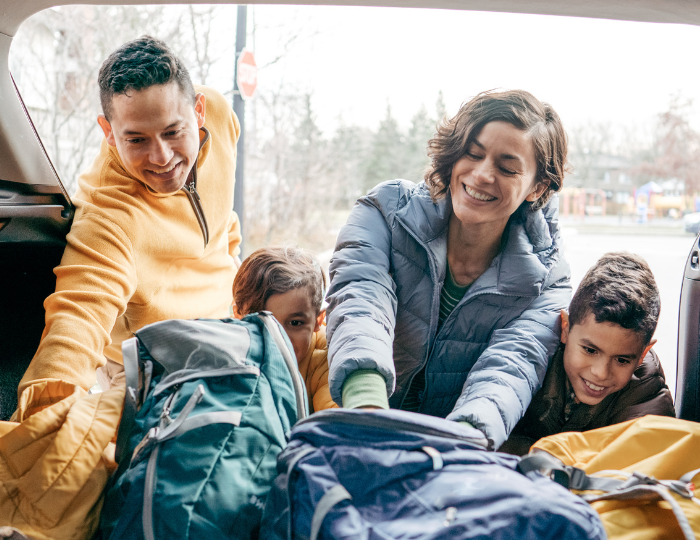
<point>246,74</point>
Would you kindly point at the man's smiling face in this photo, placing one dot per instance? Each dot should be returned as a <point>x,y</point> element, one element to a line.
<point>156,133</point>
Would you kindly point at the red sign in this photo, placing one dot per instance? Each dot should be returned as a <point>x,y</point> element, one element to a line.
<point>246,74</point>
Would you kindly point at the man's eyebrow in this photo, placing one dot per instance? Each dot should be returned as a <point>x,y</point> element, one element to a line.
<point>171,126</point>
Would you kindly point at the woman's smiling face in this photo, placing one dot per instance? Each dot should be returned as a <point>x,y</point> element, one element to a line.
<point>495,176</point>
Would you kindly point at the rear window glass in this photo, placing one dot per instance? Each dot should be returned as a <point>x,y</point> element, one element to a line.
<point>349,96</point>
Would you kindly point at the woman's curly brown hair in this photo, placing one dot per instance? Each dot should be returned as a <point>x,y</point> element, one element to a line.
<point>517,107</point>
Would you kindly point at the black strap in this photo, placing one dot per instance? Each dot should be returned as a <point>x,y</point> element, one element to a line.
<point>565,475</point>
<point>130,355</point>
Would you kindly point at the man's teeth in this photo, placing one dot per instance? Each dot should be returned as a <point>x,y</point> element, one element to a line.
<point>593,386</point>
<point>478,196</point>
<point>164,170</point>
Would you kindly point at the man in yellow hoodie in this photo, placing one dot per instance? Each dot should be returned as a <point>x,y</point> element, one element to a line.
<point>154,236</point>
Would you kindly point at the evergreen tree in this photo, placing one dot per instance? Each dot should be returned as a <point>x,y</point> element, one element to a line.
<point>421,130</point>
<point>440,108</point>
<point>387,155</point>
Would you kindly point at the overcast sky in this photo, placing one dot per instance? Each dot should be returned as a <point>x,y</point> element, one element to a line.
<point>355,60</point>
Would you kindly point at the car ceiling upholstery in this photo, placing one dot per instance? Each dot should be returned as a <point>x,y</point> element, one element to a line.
<point>13,12</point>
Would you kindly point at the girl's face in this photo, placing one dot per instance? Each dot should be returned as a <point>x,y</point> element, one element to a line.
<point>295,312</point>
<point>495,176</point>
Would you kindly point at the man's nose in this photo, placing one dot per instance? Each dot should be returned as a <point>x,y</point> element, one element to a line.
<point>160,153</point>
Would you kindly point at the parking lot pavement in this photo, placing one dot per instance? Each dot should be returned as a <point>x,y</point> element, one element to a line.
<point>666,255</point>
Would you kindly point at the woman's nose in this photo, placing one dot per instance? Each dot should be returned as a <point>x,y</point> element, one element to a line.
<point>483,172</point>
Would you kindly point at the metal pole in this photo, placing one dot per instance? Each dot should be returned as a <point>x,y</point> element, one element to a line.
<point>239,109</point>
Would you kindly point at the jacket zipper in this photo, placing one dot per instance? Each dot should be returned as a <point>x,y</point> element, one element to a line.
<point>190,188</point>
<point>433,321</point>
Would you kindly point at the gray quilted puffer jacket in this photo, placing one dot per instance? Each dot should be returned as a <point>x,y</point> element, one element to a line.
<point>490,355</point>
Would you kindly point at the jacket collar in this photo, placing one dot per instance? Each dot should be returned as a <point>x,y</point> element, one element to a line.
<point>531,246</point>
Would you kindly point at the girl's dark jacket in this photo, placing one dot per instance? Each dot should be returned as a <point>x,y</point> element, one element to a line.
<point>646,393</point>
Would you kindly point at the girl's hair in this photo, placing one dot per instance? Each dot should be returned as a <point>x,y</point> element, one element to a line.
<point>519,108</point>
<point>276,270</point>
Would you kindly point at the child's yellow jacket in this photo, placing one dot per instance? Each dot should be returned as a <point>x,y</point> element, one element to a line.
<point>314,370</point>
<point>135,257</point>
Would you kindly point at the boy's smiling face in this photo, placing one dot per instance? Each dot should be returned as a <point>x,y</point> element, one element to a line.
<point>600,358</point>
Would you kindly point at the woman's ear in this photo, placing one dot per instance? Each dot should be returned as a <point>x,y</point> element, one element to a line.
<point>564,318</point>
<point>538,190</point>
<point>319,320</point>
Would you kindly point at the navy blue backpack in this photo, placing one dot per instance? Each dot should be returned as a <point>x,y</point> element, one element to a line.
<point>394,475</point>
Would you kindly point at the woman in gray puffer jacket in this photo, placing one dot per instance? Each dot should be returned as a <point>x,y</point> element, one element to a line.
<point>445,296</point>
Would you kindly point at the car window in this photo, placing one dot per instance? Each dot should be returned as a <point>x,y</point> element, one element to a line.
<point>349,96</point>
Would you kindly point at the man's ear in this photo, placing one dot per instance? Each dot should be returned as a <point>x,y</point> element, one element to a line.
<point>200,108</point>
<point>537,190</point>
<point>646,350</point>
<point>564,317</point>
<point>106,129</point>
<point>319,320</point>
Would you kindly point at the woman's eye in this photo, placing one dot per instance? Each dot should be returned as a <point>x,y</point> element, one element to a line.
<point>589,350</point>
<point>472,156</point>
<point>508,172</point>
<point>134,141</point>
<point>623,361</point>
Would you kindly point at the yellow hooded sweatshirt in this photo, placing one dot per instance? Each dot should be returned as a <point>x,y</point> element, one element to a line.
<point>314,370</point>
<point>134,257</point>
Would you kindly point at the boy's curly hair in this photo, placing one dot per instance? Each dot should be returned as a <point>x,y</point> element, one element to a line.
<point>276,270</point>
<point>620,289</point>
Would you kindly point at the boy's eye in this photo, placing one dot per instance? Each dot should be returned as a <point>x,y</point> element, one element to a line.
<point>296,322</point>
<point>171,133</point>
<point>623,361</point>
<point>134,141</point>
<point>588,350</point>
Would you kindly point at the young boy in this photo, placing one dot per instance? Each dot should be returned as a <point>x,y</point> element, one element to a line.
<point>604,371</point>
<point>290,283</point>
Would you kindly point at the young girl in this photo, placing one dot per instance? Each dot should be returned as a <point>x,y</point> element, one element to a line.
<point>290,283</point>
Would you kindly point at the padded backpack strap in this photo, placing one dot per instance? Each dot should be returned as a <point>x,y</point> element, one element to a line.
<point>130,355</point>
<point>330,498</point>
<point>289,359</point>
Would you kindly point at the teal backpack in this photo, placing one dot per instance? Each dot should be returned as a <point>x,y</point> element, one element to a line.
<point>208,408</point>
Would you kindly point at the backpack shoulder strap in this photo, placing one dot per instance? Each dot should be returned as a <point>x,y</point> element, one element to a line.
<point>130,355</point>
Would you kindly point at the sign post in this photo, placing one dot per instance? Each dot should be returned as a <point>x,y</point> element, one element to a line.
<point>245,83</point>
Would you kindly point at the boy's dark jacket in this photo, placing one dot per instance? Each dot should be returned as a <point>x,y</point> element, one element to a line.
<point>646,393</point>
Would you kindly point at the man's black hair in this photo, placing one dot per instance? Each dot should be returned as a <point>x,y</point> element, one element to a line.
<point>619,289</point>
<point>140,64</point>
